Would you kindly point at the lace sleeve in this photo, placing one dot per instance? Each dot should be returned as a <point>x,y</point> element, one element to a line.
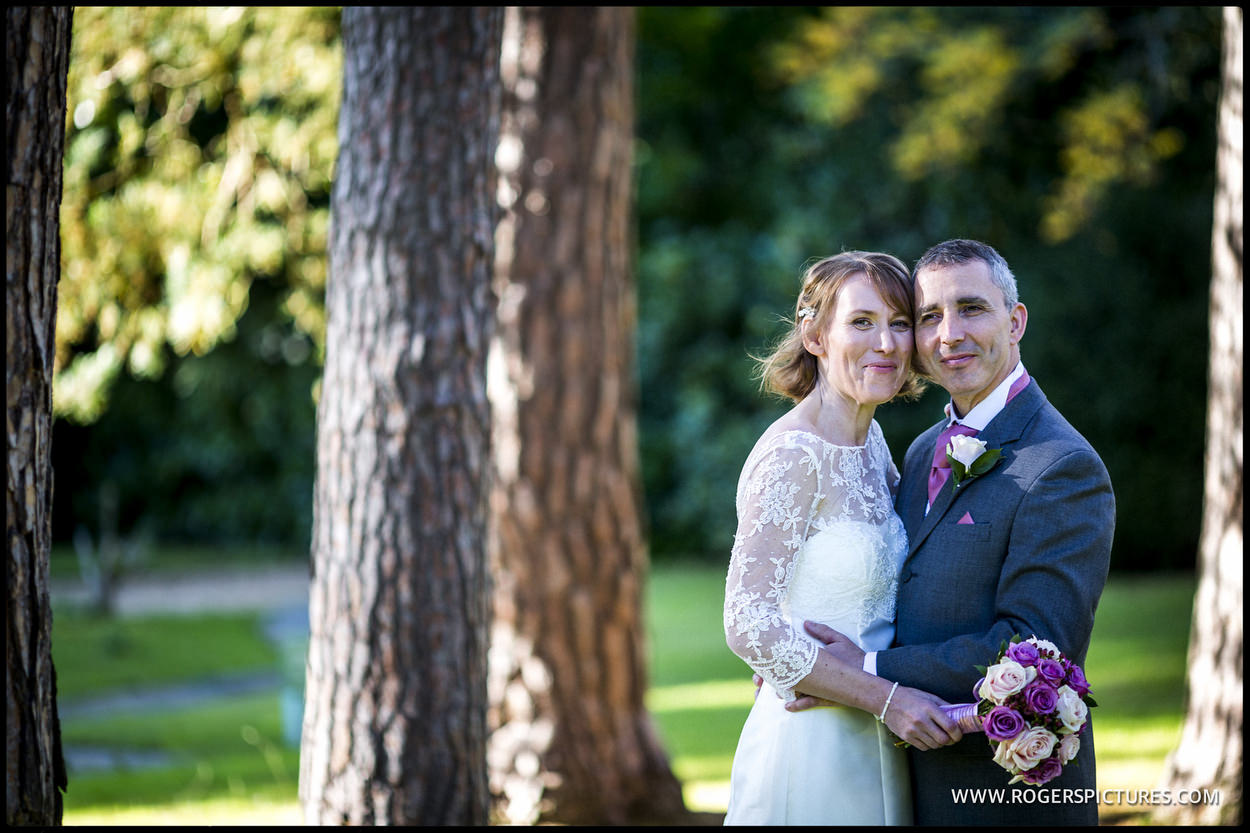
<point>776,498</point>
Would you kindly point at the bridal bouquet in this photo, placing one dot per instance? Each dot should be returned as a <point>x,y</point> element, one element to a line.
<point>1033,704</point>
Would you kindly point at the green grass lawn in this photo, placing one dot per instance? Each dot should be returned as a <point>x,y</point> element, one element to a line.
<point>225,762</point>
<point>700,692</point>
<point>95,656</point>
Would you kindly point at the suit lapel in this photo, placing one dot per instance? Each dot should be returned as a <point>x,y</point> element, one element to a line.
<point>1003,430</point>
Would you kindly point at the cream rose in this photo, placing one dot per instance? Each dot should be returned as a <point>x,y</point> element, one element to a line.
<point>1045,647</point>
<point>1002,756</point>
<point>1068,747</point>
<point>1004,680</point>
<point>1071,709</point>
<point>965,449</point>
<point>1031,747</point>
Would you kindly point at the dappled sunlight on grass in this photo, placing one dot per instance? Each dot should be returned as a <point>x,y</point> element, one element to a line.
<point>227,765</point>
<point>712,694</point>
<point>705,796</point>
<point>222,810</point>
<point>702,693</point>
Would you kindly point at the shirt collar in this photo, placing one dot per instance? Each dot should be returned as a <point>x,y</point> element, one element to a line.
<point>987,408</point>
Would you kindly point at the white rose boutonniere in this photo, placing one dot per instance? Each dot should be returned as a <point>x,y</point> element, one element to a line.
<point>969,458</point>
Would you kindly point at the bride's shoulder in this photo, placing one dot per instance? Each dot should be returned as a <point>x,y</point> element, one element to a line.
<point>786,442</point>
<point>789,431</point>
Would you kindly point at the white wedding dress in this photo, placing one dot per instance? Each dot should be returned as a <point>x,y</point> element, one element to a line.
<point>817,539</point>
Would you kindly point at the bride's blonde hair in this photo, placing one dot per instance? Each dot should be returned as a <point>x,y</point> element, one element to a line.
<point>789,370</point>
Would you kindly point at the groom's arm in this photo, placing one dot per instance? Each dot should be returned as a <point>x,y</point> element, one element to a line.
<point>1051,579</point>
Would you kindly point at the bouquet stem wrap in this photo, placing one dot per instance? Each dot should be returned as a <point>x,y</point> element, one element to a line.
<point>965,714</point>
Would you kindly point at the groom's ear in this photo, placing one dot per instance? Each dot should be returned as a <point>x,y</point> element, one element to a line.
<point>1019,320</point>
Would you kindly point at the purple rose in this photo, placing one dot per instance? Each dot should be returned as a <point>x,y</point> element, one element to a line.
<point>1046,770</point>
<point>1024,653</point>
<point>1041,697</point>
<point>1002,723</point>
<point>1077,681</point>
<point>1050,671</point>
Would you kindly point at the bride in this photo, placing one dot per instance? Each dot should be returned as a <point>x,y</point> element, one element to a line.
<point>818,539</point>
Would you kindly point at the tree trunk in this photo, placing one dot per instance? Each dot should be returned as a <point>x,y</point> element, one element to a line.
<point>1209,756</point>
<point>37,43</point>
<point>395,718</point>
<point>571,739</point>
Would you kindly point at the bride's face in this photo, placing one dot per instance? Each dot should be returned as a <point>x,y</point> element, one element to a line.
<point>865,349</point>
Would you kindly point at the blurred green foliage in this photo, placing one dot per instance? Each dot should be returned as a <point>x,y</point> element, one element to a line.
<point>1079,141</point>
<point>190,322</point>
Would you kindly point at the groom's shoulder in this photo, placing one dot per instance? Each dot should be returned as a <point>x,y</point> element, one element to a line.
<point>1052,435</point>
<point>1049,423</point>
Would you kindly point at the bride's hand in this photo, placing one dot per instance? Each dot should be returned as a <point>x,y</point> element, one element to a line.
<point>803,702</point>
<point>916,717</point>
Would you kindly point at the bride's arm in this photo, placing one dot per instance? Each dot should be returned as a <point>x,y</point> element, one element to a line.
<point>776,497</point>
<point>913,715</point>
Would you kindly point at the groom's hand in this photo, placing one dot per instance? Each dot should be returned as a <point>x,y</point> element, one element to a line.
<point>836,643</point>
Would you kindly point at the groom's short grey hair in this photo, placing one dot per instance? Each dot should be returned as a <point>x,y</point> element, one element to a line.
<point>952,252</point>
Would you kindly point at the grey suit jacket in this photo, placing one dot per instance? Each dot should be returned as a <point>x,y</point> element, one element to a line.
<point>1033,561</point>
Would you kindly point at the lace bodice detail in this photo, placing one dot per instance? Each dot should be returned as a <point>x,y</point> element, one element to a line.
<point>817,539</point>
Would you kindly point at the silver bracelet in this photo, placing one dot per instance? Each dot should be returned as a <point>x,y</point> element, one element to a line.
<point>881,719</point>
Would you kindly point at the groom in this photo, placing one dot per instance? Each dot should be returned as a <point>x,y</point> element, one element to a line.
<point>1023,548</point>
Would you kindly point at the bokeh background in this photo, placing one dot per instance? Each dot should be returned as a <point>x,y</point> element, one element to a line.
<point>1079,141</point>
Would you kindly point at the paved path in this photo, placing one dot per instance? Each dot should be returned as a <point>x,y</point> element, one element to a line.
<point>281,593</point>
<point>267,588</point>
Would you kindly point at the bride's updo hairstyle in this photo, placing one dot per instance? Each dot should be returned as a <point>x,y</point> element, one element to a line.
<point>789,370</point>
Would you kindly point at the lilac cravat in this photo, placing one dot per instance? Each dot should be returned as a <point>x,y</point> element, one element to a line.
<point>941,468</point>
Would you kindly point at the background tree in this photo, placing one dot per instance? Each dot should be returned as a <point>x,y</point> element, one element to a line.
<point>395,714</point>
<point>37,43</point>
<point>571,740</point>
<point>1209,756</point>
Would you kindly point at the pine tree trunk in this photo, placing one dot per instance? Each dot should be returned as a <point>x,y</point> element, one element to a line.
<point>571,739</point>
<point>395,718</point>
<point>37,41</point>
<point>1209,756</point>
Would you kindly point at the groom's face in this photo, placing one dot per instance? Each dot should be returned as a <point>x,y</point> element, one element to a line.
<point>967,338</point>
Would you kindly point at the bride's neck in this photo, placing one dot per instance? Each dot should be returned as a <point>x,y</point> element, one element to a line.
<point>837,418</point>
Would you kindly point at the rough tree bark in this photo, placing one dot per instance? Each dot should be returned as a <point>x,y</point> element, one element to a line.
<point>571,739</point>
<point>1209,755</point>
<point>395,717</point>
<point>36,61</point>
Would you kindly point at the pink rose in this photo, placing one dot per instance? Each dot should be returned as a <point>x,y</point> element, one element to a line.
<point>1068,747</point>
<point>1031,747</point>
<point>1002,757</point>
<point>1004,680</point>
